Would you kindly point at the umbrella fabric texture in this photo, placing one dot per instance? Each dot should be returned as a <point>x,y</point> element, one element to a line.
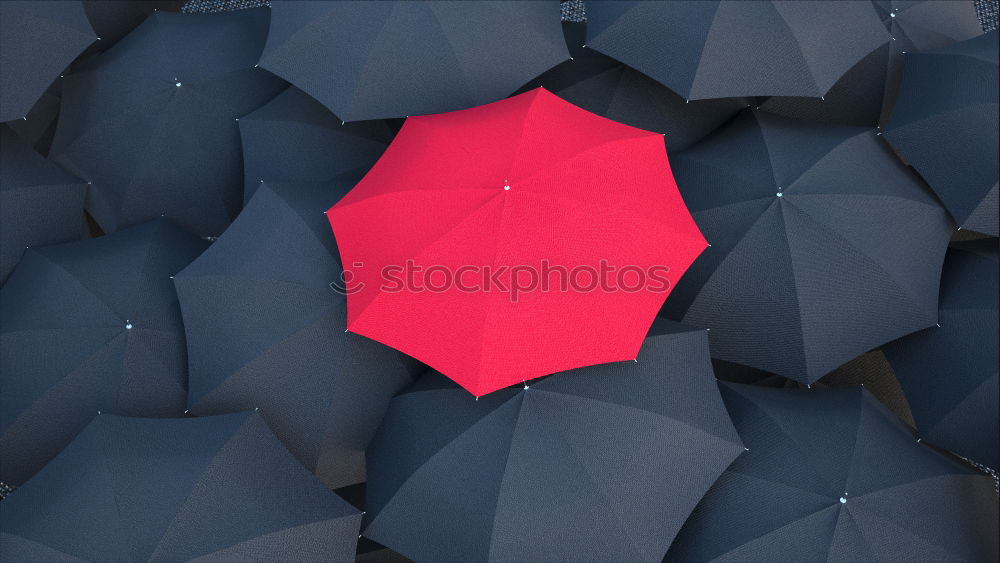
<point>219,488</point>
<point>85,326</point>
<point>40,203</point>
<point>831,475</point>
<point>603,463</point>
<point>114,19</point>
<point>151,122</point>
<point>866,93</point>
<point>522,194</point>
<point>945,125</point>
<point>731,48</point>
<point>374,60</point>
<point>38,40</point>
<point>824,245</point>
<point>283,347</point>
<point>39,126</point>
<point>293,138</point>
<point>949,372</point>
<point>602,85</point>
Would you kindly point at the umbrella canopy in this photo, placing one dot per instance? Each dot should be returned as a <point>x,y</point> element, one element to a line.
<point>284,349</point>
<point>949,372</point>
<point>831,475</point>
<point>728,48</point>
<point>114,19</point>
<point>512,208</point>
<point>602,85</point>
<point>40,203</point>
<point>84,326</point>
<point>151,122</point>
<point>865,94</point>
<point>824,245</point>
<point>945,124</point>
<point>39,126</point>
<point>220,488</point>
<point>38,40</point>
<point>293,138</point>
<point>603,463</point>
<point>372,60</point>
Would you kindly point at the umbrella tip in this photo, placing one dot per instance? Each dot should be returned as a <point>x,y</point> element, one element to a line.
<point>186,411</point>
<point>636,360</point>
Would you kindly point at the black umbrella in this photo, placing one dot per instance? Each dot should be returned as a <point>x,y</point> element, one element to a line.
<point>602,85</point>
<point>371,60</point>
<point>831,475</point>
<point>84,326</point>
<point>945,124</point>
<point>824,245</point>
<point>37,41</point>
<point>220,488</point>
<point>949,372</point>
<point>727,48</point>
<point>602,463</point>
<point>283,347</point>
<point>294,138</point>
<point>151,121</point>
<point>865,94</point>
<point>40,203</point>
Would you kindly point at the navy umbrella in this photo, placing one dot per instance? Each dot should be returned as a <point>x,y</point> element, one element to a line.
<point>372,60</point>
<point>602,463</point>
<point>945,125</point>
<point>865,94</point>
<point>89,325</point>
<point>728,48</point>
<point>602,85</point>
<point>824,245</point>
<point>266,329</point>
<point>38,40</point>
<point>831,475</point>
<point>40,203</point>
<point>294,138</point>
<point>219,488</point>
<point>949,372</point>
<point>151,122</point>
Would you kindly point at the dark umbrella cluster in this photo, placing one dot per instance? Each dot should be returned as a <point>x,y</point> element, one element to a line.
<point>191,368</point>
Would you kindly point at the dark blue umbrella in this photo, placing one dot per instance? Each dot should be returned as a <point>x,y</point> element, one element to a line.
<point>602,85</point>
<point>831,475</point>
<point>220,488</point>
<point>865,94</point>
<point>40,203</point>
<point>824,245</point>
<point>89,325</point>
<point>151,122</point>
<point>949,371</point>
<point>729,48</point>
<point>38,40</point>
<point>602,463</point>
<point>266,329</point>
<point>945,125</point>
<point>293,138</point>
<point>373,60</point>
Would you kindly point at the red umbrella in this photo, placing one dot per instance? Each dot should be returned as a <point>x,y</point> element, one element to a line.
<point>514,240</point>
